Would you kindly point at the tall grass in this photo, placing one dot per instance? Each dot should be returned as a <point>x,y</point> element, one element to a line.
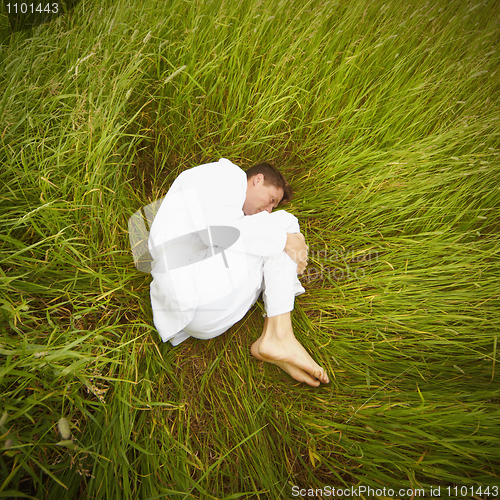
<point>384,116</point>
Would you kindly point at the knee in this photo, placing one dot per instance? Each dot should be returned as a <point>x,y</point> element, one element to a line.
<point>286,221</point>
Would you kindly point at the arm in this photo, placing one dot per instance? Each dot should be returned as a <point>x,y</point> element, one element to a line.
<point>297,249</point>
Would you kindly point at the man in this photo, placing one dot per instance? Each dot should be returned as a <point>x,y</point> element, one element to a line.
<point>216,245</point>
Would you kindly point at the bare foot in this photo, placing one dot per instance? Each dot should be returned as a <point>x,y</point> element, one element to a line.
<point>279,346</point>
<point>293,371</point>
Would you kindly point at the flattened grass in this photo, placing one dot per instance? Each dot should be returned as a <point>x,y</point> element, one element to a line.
<point>385,119</point>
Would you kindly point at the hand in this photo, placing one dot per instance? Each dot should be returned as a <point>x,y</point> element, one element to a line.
<point>297,249</point>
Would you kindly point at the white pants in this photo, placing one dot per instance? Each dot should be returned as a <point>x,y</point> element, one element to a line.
<point>275,277</point>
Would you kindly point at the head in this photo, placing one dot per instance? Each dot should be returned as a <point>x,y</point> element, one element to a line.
<point>266,189</point>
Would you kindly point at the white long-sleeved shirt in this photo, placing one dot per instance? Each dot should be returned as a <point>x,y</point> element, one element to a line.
<point>208,195</point>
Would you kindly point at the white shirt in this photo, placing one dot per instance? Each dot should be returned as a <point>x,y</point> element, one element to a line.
<point>208,195</point>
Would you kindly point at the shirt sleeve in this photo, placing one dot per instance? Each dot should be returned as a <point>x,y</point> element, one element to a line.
<point>260,236</point>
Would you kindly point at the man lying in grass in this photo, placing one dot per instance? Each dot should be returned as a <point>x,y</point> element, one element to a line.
<point>216,245</point>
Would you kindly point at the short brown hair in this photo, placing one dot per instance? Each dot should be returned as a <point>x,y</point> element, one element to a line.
<point>274,177</point>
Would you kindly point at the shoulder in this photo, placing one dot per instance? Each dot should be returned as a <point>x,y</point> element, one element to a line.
<point>223,165</point>
<point>224,170</point>
<point>232,171</point>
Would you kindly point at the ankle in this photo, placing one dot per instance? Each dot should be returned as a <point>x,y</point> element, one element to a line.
<point>278,330</point>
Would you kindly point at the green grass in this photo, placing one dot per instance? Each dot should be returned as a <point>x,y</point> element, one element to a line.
<point>384,117</point>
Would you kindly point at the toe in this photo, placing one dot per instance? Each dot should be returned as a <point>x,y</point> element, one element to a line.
<point>318,373</point>
<point>298,374</point>
<point>304,377</point>
<point>321,375</point>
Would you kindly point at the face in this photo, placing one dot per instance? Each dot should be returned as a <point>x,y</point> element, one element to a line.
<point>261,197</point>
